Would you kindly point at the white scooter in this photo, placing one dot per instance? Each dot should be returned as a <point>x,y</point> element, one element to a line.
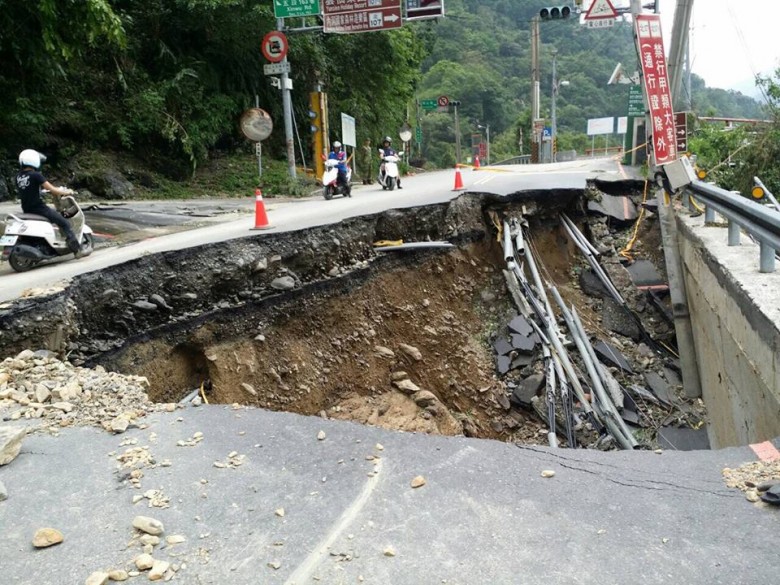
<point>330,185</point>
<point>389,179</point>
<point>30,239</point>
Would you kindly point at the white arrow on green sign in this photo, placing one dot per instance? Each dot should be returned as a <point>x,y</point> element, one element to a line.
<point>292,8</point>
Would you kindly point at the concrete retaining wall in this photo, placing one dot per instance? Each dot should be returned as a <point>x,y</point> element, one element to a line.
<point>735,312</point>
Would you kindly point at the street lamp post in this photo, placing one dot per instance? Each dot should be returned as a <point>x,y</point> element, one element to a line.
<point>486,127</point>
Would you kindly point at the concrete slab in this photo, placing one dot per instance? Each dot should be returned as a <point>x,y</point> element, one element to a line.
<point>682,439</point>
<point>486,516</point>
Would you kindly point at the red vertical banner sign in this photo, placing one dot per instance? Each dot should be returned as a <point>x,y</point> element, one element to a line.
<point>650,43</point>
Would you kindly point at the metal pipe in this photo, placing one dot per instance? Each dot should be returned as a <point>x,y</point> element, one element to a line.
<point>612,419</point>
<point>578,233</point>
<point>709,213</point>
<point>189,396</point>
<point>509,254</point>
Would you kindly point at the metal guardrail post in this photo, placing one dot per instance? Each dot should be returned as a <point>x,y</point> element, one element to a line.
<point>734,232</point>
<point>709,214</point>
<point>767,261</point>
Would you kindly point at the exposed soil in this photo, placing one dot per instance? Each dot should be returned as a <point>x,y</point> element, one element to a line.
<point>320,354</point>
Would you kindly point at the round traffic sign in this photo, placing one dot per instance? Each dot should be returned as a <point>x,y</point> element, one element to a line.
<point>275,46</point>
<point>443,101</point>
<point>256,124</point>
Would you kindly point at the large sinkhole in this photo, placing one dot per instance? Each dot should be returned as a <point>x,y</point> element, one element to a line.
<point>320,324</point>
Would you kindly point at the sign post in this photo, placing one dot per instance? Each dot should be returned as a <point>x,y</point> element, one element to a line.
<point>601,14</point>
<point>356,16</point>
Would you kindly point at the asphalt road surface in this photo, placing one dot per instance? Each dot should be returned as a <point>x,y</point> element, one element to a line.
<point>141,228</point>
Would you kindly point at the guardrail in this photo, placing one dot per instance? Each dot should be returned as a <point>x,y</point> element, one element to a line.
<point>761,222</point>
<point>523,159</point>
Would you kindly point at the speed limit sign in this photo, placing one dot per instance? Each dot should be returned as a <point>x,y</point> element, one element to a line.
<point>443,101</point>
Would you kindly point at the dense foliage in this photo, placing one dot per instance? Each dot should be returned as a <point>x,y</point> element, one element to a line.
<point>167,80</point>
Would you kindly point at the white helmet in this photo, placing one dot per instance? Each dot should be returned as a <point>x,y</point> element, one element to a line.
<point>31,158</point>
<point>337,144</point>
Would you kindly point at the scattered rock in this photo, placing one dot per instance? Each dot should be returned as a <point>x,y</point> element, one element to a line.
<point>149,539</point>
<point>249,388</point>
<point>144,562</point>
<point>145,306</point>
<point>418,481</point>
<point>148,525</point>
<point>275,565</point>
<point>10,443</point>
<point>397,376</point>
<point>411,351</point>
<point>384,352</point>
<point>159,567</point>
<point>321,436</point>
<point>175,539</point>
<point>406,386</point>
<point>97,578</point>
<point>45,537</point>
<point>389,551</point>
<point>118,575</point>
<point>283,283</point>
<point>280,512</point>
<point>424,398</point>
<point>548,473</point>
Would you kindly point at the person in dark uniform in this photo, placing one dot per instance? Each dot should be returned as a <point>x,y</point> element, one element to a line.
<point>29,181</point>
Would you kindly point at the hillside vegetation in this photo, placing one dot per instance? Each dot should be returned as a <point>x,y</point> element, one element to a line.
<point>166,82</point>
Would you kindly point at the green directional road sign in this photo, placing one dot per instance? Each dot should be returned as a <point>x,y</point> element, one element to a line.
<point>289,8</point>
<point>418,135</point>
<point>636,101</point>
<point>428,104</point>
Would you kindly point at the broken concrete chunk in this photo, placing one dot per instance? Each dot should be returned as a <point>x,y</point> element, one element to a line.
<point>610,355</point>
<point>526,390</point>
<point>503,364</point>
<point>659,387</point>
<point>144,562</point>
<point>525,344</point>
<point>502,346</point>
<point>521,326</point>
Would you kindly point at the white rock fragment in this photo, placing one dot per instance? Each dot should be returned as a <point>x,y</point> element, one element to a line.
<point>148,525</point>
<point>158,570</point>
<point>418,481</point>
<point>321,436</point>
<point>279,512</point>
<point>175,539</point>
<point>144,562</point>
<point>389,551</point>
<point>97,578</point>
<point>118,575</point>
<point>10,443</point>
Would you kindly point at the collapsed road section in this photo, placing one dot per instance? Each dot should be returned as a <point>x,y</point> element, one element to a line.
<point>342,322</point>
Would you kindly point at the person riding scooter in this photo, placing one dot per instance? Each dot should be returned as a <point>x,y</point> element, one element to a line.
<point>387,150</point>
<point>29,181</point>
<point>338,154</point>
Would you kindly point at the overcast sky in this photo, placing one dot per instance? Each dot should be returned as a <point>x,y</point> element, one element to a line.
<point>731,40</point>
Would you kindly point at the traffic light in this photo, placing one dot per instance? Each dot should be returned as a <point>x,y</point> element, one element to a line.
<point>555,12</point>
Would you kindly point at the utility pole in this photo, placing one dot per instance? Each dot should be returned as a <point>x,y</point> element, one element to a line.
<point>679,45</point>
<point>534,87</point>
<point>287,107</point>
<point>455,105</point>
<point>554,123</point>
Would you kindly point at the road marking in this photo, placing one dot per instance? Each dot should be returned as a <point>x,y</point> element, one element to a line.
<point>765,451</point>
<point>304,571</point>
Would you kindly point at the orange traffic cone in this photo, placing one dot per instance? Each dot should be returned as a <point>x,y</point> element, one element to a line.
<point>261,219</point>
<point>476,162</point>
<point>458,179</point>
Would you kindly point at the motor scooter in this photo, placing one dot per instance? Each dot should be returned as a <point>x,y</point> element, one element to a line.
<point>30,239</point>
<point>330,184</point>
<point>389,179</point>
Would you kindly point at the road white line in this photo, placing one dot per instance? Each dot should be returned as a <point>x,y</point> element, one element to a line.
<point>302,574</point>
